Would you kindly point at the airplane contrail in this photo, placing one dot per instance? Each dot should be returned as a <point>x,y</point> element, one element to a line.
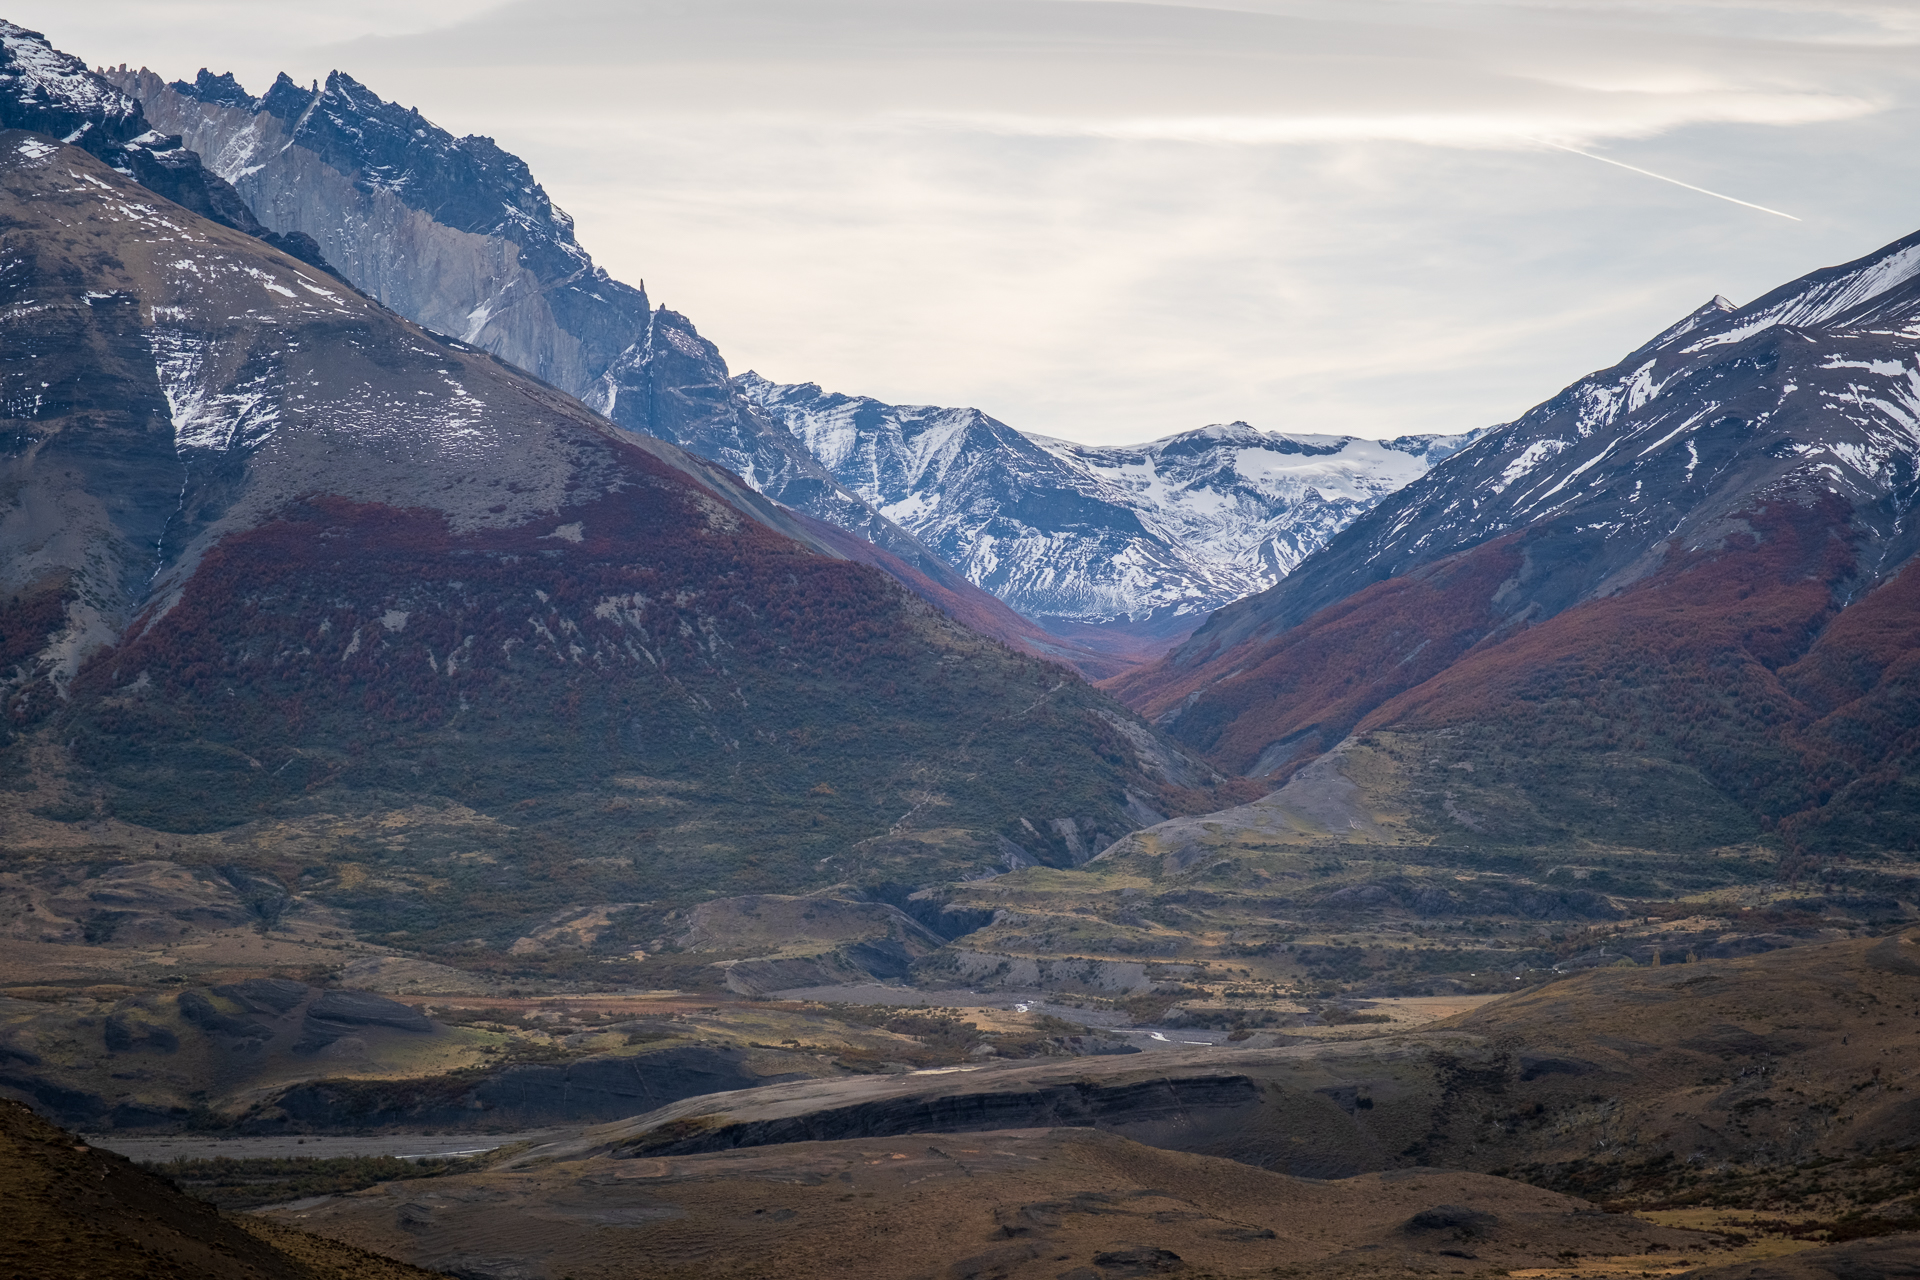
<point>1561,146</point>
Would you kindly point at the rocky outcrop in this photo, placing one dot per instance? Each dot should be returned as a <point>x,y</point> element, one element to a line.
<point>811,941</point>
<point>586,1091</point>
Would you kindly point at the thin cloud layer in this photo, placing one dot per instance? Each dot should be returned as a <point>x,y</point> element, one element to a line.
<point>1108,221</point>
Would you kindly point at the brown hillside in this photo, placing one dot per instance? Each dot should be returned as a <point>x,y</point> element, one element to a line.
<point>1686,666</point>
<point>75,1211</point>
<point>1300,693</point>
<point>1734,663</point>
<point>1026,1204</point>
<point>1666,1081</point>
<point>1889,1258</point>
<point>280,557</point>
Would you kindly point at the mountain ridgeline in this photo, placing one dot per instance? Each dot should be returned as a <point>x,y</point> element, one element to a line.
<point>456,235</point>
<point>54,93</point>
<point>1679,580</point>
<point>1670,606</point>
<point>439,696</point>
<point>1116,552</point>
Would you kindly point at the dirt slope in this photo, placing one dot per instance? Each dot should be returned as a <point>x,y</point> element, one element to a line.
<point>73,1211</point>
<point>1011,1204</point>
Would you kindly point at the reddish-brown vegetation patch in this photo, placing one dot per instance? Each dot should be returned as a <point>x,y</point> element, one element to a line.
<point>767,708</point>
<point>1309,686</point>
<point>1735,661</point>
<point>29,618</point>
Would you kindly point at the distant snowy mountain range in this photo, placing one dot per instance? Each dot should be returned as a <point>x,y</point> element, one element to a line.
<point>1119,549</point>
<point>1155,535</point>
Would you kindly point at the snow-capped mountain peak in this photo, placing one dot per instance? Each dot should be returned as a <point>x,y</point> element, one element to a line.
<point>1857,295</point>
<point>41,77</point>
<point>1153,535</point>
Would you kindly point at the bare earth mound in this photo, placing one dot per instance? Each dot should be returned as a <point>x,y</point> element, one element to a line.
<point>1012,1204</point>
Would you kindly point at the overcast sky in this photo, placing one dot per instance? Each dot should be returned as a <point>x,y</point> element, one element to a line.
<point>1111,221</point>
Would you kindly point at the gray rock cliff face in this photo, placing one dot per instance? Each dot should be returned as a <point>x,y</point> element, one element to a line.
<point>341,165</point>
<point>455,234</point>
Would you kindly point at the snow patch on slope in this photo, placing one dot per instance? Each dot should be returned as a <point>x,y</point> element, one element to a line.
<point>206,418</point>
<point>1820,301</point>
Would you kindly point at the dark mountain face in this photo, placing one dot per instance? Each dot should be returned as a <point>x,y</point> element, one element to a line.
<point>468,183</point>
<point>455,234</point>
<point>50,92</point>
<point>1668,563</point>
<point>275,558</point>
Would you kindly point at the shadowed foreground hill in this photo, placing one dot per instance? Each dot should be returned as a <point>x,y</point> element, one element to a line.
<point>1891,1258</point>
<point>73,1211</point>
<point>1770,1085</point>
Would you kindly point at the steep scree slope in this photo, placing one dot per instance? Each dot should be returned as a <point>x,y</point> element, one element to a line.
<point>270,551</point>
<point>1680,576</point>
